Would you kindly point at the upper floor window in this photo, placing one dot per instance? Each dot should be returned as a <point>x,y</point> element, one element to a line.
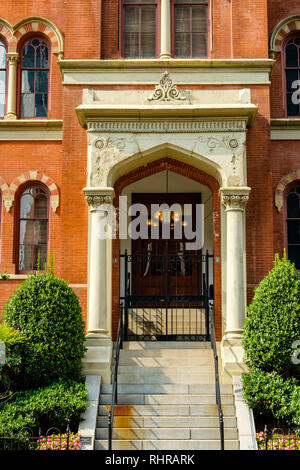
<point>35,57</point>
<point>33,219</point>
<point>292,74</point>
<point>293,224</point>
<point>139,28</point>
<point>190,25</point>
<point>2,77</point>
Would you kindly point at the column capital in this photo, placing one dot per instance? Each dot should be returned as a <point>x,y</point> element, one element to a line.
<point>235,198</point>
<point>95,197</point>
<point>12,58</point>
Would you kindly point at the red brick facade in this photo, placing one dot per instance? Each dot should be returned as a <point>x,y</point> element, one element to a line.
<point>89,30</point>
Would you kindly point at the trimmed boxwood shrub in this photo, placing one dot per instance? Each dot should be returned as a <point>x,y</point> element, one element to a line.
<point>47,312</point>
<point>56,405</point>
<point>272,395</point>
<point>273,322</point>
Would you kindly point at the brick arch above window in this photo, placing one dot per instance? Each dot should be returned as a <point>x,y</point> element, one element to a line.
<point>281,187</point>
<point>281,31</point>
<point>10,191</point>
<point>13,34</point>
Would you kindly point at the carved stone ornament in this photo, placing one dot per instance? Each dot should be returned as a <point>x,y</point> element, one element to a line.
<point>8,202</point>
<point>229,142</point>
<point>95,200</point>
<point>105,154</point>
<point>235,201</point>
<point>166,90</point>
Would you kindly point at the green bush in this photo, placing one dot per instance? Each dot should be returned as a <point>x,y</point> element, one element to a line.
<point>47,312</point>
<point>273,322</point>
<point>272,385</point>
<point>272,395</point>
<point>55,405</point>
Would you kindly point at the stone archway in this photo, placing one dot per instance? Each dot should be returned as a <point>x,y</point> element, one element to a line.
<point>197,175</point>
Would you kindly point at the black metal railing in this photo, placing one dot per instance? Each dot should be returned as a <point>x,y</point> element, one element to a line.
<point>28,439</point>
<point>166,296</point>
<point>278,439</point>
<point>217,379</point>
<point>114,397</point>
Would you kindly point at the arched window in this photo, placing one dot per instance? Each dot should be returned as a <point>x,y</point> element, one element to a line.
<point>33,222</point>
<point>139,20</point>
<point>35,58</point>
<point>190,26</point>
<point>293,224</point>
<point>2,77</point>
<point>292,74</point>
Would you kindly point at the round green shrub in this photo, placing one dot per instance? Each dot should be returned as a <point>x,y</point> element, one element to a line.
<point>47,312</point>
<point>273,321</point>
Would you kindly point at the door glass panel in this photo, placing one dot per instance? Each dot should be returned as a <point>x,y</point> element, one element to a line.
<point>293,206</point>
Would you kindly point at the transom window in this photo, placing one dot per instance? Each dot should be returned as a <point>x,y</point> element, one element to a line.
<point>139,24</point>
<point>2,77</point>
<point>33,229</point>
<point>190,27</point>
<point>292,73</point>
<point>293,224</point>
<point>35,78</point>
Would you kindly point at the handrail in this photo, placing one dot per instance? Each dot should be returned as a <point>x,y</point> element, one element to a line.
<point>114,396</point>
<point>217,379</point>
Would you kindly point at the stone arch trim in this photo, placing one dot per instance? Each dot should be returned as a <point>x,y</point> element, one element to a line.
<point>282,30</point>
<point>281,187</point>
<point>13,34</point>
<point>191,172</point>
<point>10,192</point>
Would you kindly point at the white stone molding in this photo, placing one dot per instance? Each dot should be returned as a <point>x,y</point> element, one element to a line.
<point>166,90</point>
<point>170,126</point>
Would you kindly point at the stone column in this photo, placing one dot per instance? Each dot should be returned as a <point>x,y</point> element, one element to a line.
<point>98,358</point>
<point>11,108</point>
<point>235,200</point>
<point>165,28</point>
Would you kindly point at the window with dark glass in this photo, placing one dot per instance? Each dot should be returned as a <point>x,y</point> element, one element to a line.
<point>33,229</point>
<point>139,28</point>
<point>190,26</point>
<point>292,74</point>
<point>2,77</point>
<point>293,224</point>
<point>35,78</point>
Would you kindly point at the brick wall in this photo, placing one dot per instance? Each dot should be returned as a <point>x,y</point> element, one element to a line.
<point>240,30</point>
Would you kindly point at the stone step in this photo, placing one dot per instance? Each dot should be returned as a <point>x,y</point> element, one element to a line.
<point>136,369</point>
<point>146,389</point>
<point>166,353</point>
<point>159,345</point>
<point>166,422</point>
<point>139,399</point>
<point>141,361</point>
<point>167,433</point>
<point>166,410</point>
<point>191,444</point>
<point>169,378</point>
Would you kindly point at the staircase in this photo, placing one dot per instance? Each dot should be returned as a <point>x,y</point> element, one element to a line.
<point>166,400</point>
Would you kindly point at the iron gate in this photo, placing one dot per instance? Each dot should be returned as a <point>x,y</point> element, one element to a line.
<point>166,297</point>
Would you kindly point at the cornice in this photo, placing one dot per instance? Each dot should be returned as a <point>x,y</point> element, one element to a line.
<point>144,72</point>
<point>243,112</point>
<point>285,129</point>
<point>30,129</point>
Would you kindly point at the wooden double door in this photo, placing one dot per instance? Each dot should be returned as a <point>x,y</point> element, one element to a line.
<point>162,268</point>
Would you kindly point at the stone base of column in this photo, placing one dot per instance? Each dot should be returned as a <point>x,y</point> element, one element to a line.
<point>232,354</point>
<point>10,116</point>
<point>98,358</point>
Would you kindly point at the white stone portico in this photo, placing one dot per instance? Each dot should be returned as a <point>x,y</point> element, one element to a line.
<point>131,128</point>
